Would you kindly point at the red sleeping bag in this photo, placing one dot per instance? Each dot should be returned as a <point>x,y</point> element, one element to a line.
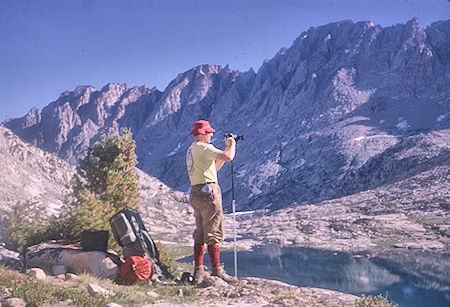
<point>136,267</point>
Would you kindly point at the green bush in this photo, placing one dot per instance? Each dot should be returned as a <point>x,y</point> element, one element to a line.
<point>105,182</point>
<point>23,226</point>
<point>166,258</point>
<point>377,301</point>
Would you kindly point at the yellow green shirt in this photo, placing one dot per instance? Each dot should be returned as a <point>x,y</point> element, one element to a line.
<point>200,161</point>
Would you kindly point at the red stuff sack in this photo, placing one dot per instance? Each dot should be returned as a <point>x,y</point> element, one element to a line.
<point>136,267</point>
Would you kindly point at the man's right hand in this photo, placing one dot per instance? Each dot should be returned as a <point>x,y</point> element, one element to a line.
<point>229,152</point>
<point>230,141</point>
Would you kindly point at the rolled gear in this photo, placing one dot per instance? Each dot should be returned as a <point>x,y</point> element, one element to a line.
<point>136,268</point>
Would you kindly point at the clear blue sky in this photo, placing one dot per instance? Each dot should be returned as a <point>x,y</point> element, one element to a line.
<point>49,46</point>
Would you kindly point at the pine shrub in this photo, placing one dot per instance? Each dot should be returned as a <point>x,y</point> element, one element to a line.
<point>23,225</point>
<point>374,301</point>
<point>105,182</point>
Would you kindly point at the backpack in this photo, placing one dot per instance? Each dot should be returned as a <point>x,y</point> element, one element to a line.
<point>136,267</point>
<point>130,233</point>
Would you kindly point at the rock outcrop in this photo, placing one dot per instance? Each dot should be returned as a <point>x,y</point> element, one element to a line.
<point>11,258</point>
<point>48,255</point>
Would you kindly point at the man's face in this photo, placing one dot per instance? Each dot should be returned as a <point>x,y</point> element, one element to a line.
<point>205,138</point>
<point>208,137</point>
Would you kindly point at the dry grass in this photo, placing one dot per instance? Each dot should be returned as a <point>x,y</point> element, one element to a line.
<point>53,291</point>
<point>39,293</point>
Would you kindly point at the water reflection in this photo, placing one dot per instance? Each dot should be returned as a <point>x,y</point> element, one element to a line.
<point>410,278</point>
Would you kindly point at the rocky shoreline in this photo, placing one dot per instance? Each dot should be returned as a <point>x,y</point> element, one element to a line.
<point>252,291</point>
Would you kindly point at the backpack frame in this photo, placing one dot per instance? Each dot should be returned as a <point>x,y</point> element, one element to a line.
<point>130,233</point>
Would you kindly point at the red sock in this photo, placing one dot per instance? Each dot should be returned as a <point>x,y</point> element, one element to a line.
<point>214,255</point>
<point>199,251</point>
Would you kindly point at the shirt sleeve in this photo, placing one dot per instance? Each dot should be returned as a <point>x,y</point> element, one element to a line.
<point>211,152</point>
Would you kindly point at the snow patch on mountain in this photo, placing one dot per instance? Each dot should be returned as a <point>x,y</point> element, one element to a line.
<point>175,151</point>
<point>403,124</point>
<point>442,117</point>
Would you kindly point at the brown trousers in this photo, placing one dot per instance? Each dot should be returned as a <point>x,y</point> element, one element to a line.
<point>208,213</point>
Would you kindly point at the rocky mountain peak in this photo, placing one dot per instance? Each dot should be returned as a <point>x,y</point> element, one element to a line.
<point>31,118</point>
<point>198,87</point>
<point>438,35</point>
<point>74,99</point>
<point>80,90</point>
<point>207,69</point>
<point>77,118</point>
<point>345,100</point>
<point>114,87</point>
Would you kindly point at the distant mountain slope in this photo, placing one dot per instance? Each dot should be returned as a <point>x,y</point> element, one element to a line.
<point>29,174</point>
<point>348,107</point>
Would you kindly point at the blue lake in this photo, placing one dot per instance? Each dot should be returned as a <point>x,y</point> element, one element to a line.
<point>409,278</point>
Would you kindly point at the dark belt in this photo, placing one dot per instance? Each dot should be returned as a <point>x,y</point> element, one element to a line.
<point>203,183</point>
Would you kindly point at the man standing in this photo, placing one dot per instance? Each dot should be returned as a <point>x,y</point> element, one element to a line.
<point>203,161</point>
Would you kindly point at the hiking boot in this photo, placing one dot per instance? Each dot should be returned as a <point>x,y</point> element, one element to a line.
<point>200,274</point>
<point>220,272</point>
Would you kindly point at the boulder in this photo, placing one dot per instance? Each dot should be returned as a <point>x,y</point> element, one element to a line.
<point>152,294</point>
<point>10,258</point>
<point>4,294</point>
<point>213,281</point>
<point>94,289</point>
<point>13,302</point>
<point>50,255</point>
<point>37,273</point>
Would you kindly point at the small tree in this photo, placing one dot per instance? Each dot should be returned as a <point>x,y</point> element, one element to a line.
<point>105,182</point>
<point>23,225</point>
